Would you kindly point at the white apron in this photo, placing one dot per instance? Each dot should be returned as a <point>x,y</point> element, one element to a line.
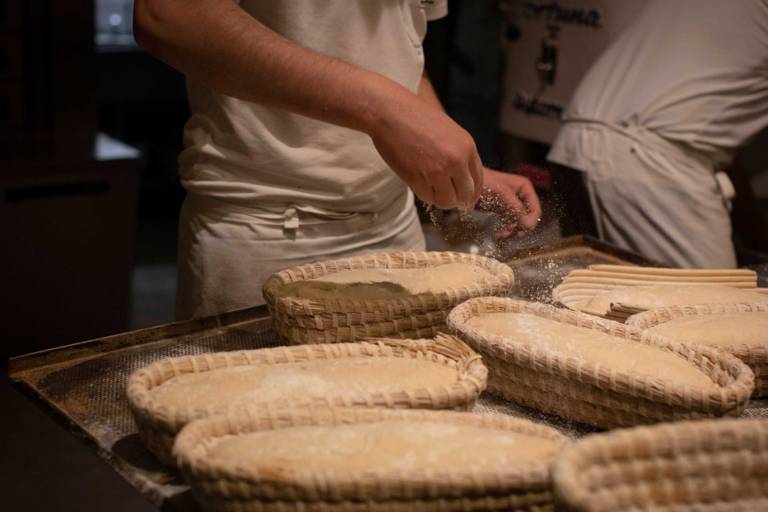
<point>227,251</point>
<point>650,195</point>
<point>268,188</point>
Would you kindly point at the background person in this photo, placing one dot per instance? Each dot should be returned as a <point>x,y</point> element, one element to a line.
<point>656,117</point>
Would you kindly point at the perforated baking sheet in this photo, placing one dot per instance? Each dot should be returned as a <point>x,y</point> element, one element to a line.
<point>87,390</point>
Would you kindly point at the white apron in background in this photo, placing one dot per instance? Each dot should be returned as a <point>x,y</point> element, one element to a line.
<point>268,189</point>
<point>651,196</point>
<point>682,87</point>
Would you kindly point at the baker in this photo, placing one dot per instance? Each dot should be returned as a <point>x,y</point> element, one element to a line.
<point>655,118</point>
<point>312,126</point>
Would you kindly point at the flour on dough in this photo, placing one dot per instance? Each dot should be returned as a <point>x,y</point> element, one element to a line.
<point>727,330</point>
<point>292,381</point>
<point>593,347</point>
<point>385,283</point>
<point>385,446</point>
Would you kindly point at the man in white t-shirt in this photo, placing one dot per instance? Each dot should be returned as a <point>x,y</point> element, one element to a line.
<point>661,110</point>
<point>312,123</point>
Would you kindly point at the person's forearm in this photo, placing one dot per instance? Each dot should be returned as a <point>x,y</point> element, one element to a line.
<point>216,43</point>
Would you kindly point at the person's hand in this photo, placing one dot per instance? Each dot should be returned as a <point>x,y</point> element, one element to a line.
<point>513,198</point>
<point>431,153</point>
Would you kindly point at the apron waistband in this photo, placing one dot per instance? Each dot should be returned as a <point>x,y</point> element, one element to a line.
<point>647,138</point>
<point>289,216</point>
<point>671,149</point>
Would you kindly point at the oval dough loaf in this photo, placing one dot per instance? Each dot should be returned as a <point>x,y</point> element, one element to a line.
<point>593,347</point>
<point>386,283</point>
<point>293,381</point>
<point>386,446</point>
<point>727,330</point>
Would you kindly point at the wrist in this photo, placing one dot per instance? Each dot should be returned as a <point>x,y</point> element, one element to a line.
<point>384,105</point>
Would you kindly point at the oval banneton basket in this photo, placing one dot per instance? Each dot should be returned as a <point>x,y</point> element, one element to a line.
<point>417,326</point>
<point>712,466</point>
<point>289,488</point>
<point>159,423</point>
<point>362,318</point>
<point>756,357</point>
<point>593,394</point>
<point>342,311</point>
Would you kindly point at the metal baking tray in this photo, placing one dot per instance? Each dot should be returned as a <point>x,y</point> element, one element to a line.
<point>539,270</point>
<point>83,385</point>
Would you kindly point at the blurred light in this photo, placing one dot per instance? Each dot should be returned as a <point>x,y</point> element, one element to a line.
<point>115,20</point>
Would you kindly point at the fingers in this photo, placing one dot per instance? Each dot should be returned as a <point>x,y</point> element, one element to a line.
<point>532,211</point>
<point>464,186</point>
<point>477,172</point>
<point>510,218</point>
<point>455,190</point>
<point>467,182</point>
<point>445,194</point>
<point>424,191</point>
<point>514,200</point>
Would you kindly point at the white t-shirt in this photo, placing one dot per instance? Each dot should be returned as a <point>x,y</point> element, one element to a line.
<point>689,71</point>
<point>269,158</point>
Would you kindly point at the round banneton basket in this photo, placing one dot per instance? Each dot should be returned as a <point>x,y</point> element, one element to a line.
<point>708,466</point>
<point>348,311</point>
<point>289,488</point>
<point>755,356</point>
<point>159,422</point>
<point>595,394</point>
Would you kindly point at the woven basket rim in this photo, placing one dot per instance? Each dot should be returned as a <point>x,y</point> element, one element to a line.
<point>503,278</point>
<point>665,441</point>
<point>444,349</point>
<point>737,391</point>
<point>658,316</point>
<point>191,446</point>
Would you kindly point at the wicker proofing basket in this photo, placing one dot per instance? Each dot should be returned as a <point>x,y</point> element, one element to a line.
<point>707,466</point>
<point>756,357</point>
<point>594,394</point>
<point>418,326</point>
<point>472,488</point>
<point>362,318</point>
<point>158,424</point>
<point>342,312</point>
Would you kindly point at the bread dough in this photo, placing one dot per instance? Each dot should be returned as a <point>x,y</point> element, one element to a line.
<point>391,446</point>
<point>591,346</point>
<point>643,298</point>
<point>291,381</point>
<point>727,330</point>
<point>386,283</point>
